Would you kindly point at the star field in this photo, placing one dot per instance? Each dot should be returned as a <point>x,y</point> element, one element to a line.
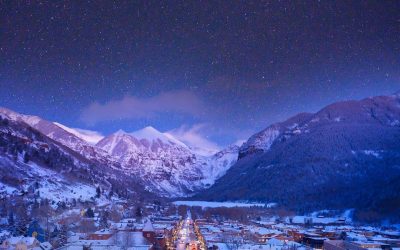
<point>240,65</point>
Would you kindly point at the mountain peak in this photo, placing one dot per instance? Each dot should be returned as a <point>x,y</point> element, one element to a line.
<point>148,133</point>
<point>150,128</point>
<point>31,120</point>
<point>8,113</point>
<point>119,132</point>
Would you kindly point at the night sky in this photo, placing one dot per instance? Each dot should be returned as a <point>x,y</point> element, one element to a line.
<point>214,71</point>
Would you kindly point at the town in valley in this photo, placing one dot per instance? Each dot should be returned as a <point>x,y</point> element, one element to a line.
<point>183,225</point>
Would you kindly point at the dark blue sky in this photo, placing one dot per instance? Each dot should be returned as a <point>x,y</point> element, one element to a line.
<point>219,69</point>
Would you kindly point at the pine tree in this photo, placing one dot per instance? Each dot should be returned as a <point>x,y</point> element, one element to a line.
<point>62,235</point>
<point>21,228</point>
<point>11,223</point>
<point>22,218</point>
<point>98,192</point>
<point>104,220</point>
<point>55,233</point>
<point>26,158</point>
<point>89,213</point>
<point>3,208</point>
<point>138,213</point>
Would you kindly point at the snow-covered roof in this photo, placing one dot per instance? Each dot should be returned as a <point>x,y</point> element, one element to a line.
<point>46,245</point>
<point>21,239</point>
<point>148,227</point>
<point>275,242</point>
<point>139,240</point>
<point>355,236</point>
<point>103,231</point>
<point>4,233</point>
<point>3,221</point>
<point>391,233</point>
<point>263,230</point>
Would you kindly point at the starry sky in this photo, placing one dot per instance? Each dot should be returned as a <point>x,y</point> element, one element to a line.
<point>215,71</point>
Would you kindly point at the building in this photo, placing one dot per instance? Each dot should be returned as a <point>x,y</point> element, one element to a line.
<point>20,243</point>
<point>35,230</point>
<point>334,245</point>
<point>101,235</point>
<point>149,233</point>
<point>314,240</point>
<point>120,240</point>
<point>262,234</point>
<point>353,245</point>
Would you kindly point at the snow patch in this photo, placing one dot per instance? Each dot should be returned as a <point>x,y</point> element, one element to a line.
<point>395,123</point>
<point>264,139</point>
<point>293,126</point>
<point>337,119</point>
<point>372,153</point>
<point>316,119</point>
<point>213,204</point>
<point>7,189</point>
<point>151,134</point>
<point>92,137</point>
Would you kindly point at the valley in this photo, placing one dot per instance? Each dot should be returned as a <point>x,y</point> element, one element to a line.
<point>313,175</point>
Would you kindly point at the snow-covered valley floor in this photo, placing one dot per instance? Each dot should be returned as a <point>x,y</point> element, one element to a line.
<point>213,204</point>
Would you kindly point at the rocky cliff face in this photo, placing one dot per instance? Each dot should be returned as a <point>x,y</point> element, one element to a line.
<point>167,166</point>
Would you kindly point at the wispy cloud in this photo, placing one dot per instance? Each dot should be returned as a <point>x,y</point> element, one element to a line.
<point>194,136</point>
<point>132,107</point>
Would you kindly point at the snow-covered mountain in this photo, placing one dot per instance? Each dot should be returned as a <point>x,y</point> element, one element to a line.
<point>165,165</point>
<point>32,163</point>
<point>64,135</point>
<point>345,155</point>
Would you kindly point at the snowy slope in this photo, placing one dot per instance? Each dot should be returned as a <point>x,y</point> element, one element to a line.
<point>89,136</point>
<point>70,138</point>
<point>50,184</point>
<point>32,163</point>
<point>166,165</point>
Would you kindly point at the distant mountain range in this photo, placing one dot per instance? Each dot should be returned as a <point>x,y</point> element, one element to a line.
<point>347,155</point>
<point>159,162</point>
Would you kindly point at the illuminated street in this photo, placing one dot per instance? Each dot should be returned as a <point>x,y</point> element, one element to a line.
<point>186,236</point>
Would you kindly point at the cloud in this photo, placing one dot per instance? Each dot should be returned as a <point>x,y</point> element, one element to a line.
<point>193,136</point>
<point>132,107</point>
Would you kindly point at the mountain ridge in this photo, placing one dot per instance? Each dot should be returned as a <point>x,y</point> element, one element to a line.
<point>29,160</point>
<point>165,165</point>
<point>346,154</point>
